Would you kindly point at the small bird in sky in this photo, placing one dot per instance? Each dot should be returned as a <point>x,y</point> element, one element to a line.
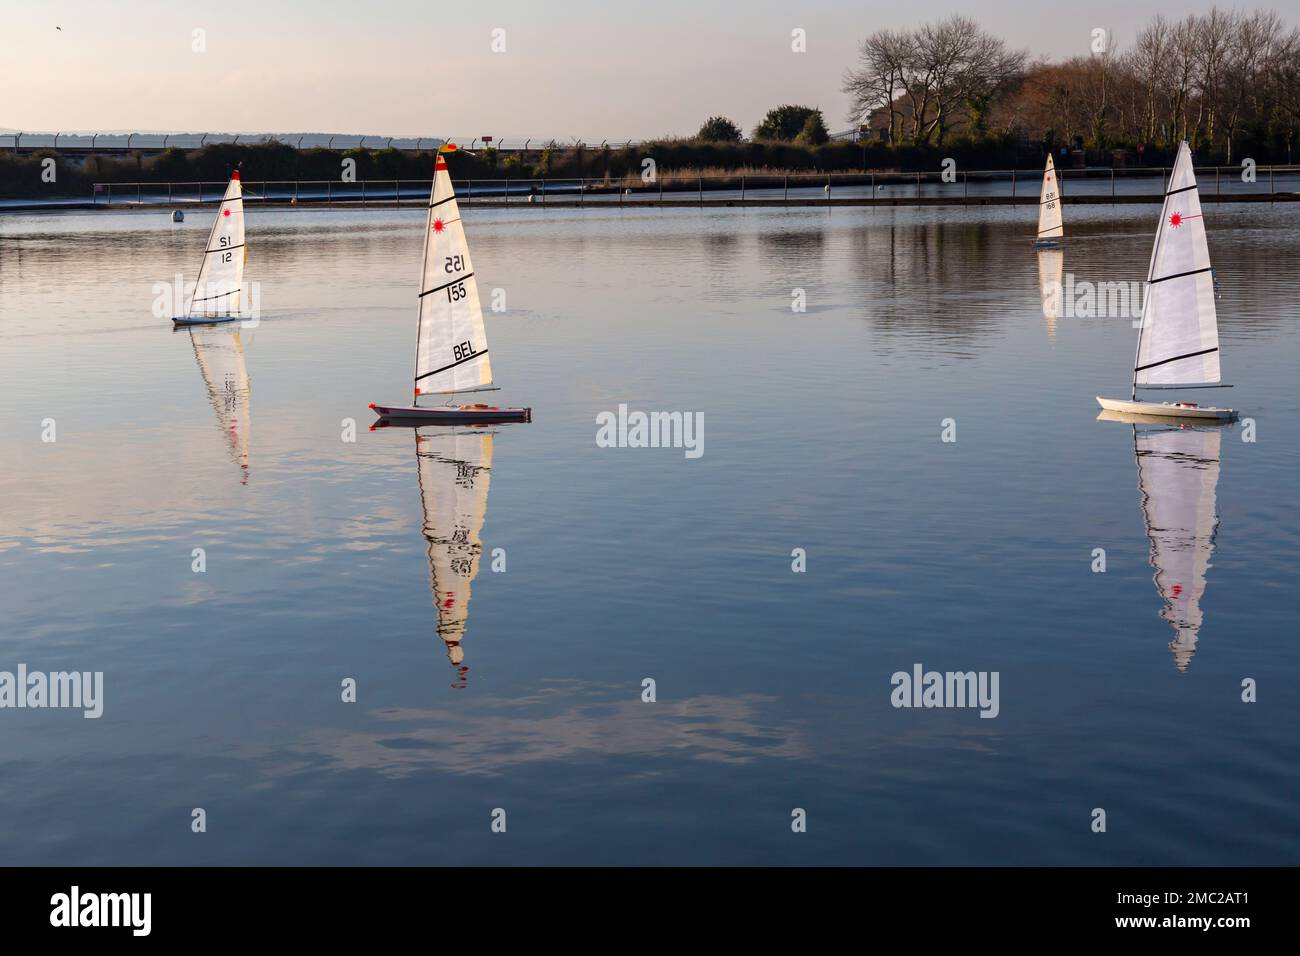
<point>60,29</point>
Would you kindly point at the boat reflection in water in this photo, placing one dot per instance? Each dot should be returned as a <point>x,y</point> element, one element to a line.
<point>1051,273</point>
<point>220,356</point>
<point>455,468</point>
<point>1178,474</point>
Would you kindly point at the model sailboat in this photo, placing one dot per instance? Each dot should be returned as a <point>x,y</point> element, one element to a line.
<point>217,291</point>
<point>1050,229</point>
<point>451,353</point>
<point>1178,335</point>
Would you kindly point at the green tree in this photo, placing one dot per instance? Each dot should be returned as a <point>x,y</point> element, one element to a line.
<point>786,122</point>
<point>516,168</point>
<point>813,132</point>
<point>719,129</point>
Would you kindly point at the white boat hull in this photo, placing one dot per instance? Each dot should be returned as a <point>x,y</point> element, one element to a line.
<point>453,414</point>
<point>1166,409</point>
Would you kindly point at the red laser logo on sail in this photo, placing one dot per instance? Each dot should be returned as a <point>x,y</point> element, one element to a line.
<point>1176,220</point>
<point>226,212</point>
<point>437,225</point>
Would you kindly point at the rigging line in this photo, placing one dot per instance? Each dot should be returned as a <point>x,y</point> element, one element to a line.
<point>444,285</point>
<point>468,358</point>
<point>1176,358</point>
<point>1179,275</point>
<point>217,296</point>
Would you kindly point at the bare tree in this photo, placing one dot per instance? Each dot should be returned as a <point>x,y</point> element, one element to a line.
<point>1149,61</point>
<point>877,82</point>
<point>1251,52</point>
<point>941,73</point>
<point>1213,39</point>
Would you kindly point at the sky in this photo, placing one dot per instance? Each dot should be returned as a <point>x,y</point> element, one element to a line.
<point>591,70</point>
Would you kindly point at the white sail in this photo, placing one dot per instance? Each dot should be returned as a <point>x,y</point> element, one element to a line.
<point>217,290</point>
<point>1049,204</point>
<point>1051,271</point>
<point>221,361</point>
<point>1178,342</point>
<point>455,470</point>
<point>1178,474</point>
<point>452,352</point>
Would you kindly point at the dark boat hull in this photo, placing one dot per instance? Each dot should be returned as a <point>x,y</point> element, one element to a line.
<point>453,414</point>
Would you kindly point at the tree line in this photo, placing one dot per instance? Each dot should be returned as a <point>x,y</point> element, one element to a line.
<point>1224,81</point>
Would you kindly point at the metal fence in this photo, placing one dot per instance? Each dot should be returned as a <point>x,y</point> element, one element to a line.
<point>157,142</point>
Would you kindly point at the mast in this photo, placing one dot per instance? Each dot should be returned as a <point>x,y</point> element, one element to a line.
<point>1146,293</point>
<point>424,272</point>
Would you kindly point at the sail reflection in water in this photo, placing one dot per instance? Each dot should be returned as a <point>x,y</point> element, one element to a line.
<point>1051,272</point>
<point>221,360</point>
<point>1178,474</point>
<point>455,469</point>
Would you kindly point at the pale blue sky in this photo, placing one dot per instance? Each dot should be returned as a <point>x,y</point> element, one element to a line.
<point>402,67</point>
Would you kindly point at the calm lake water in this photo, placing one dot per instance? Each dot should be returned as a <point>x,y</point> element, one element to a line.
<point>324,557</point>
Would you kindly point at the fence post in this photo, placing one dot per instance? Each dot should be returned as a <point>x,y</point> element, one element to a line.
<point>582,189</point>
<point>965,184</point>
<point>1013,184</point>
<point>110,194</point>
<point>918,184</point>
<point>363,192</point>
<point>873,187</point>
<point>329,192</point>
<point>1112,185</point>
<point>295,192</point>
<point>169,194</point>
<point>701,183</point>
<point>787,189</point>
<point>397,192</point>
<point>507,196</point>
<point>138,192</point>
<point>661,187</point>
<point>1218,186</point>
<point>1270,181</point>
<point>742,188</point>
